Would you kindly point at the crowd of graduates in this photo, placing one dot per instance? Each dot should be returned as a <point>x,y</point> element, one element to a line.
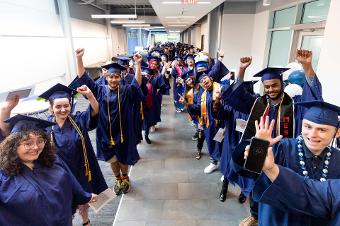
<point>51,166</point>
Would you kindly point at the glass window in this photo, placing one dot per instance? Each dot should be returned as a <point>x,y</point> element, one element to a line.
<point>315,11</point>
<point>279,48</point>
<point>284,17</point>
<point>313,43</point>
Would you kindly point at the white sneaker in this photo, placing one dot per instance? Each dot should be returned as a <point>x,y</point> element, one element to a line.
<point>211,168</point>
<point>152,129</point>
<point>222,178</point>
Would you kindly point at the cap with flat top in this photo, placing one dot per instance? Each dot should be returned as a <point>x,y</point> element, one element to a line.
<point>58,91</point>
<point>22,123</point>
<point>114,68</point>
<point>270,73</point>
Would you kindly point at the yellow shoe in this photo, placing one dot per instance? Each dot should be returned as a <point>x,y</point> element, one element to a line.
<point>125,185</point>
<point>249,221</point>
<point>117,188</point>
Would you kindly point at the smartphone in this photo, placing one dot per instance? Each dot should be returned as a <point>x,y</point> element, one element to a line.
<point>257,155</point>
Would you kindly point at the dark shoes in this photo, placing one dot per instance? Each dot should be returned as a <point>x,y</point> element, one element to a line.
<point>147,140</point>
<point>117,187</point>
<point>125,184</point>
<point>224,190</point>
<point>242,198</point>
<point>198,155</point>
<point>195,136</point>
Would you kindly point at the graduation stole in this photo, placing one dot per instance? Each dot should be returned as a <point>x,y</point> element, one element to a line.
<point>204,119</point>
<point>190,96</point>
<point>284,121</point>
<point>179,70</point>
<point>86,161</point>
<point>112,142</point>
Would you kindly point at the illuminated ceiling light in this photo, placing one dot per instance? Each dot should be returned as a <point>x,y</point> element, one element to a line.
<point>127,21</point>
<point>266,2</point>
<point>112,16</point>
<point>179,17</point>
<point>174,31</point>
<point>171,3</point>
<point>136,25</point>
<point>204,3</point>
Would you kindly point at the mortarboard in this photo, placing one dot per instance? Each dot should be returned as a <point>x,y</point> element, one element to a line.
<point>178,58</point>
<point>147,70</point>
<point>321,112</point>
<point>123,60</point>
<point>187,74</point>
<point>58,91</point>
<point>21,123</point>
<point>271,73</point>
<point>189,57</point>
<point>114,68</point>
<point>201,64</point>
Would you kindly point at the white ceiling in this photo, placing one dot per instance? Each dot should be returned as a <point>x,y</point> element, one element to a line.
<point>196,10</point>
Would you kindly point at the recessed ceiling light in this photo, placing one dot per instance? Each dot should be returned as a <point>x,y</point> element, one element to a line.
<point>172,3</point>
<point>111,16</point>
<point>174,31</point>
<point>127,21</point>
<point>136,25</point>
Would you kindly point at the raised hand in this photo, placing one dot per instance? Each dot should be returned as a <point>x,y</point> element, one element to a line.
<point>181,99</point>
<point>264,130</point>
<point>245,62</point>
<point>84,90</point>
<point>137,58</point>
<point>220,53</point>
<point>304,56</point>
<point>11,103</point>
<point>80,52</point>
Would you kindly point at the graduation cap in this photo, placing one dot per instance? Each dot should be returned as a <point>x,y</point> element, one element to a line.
<point>58,91</point>
<point>123,60</point>
<point>21,123</point>
<point>202,64</point>
<point>321,112</point>
<point>271,73</point>
<point>187,74</point>
<point>147,70</point>
<point>189,57</point>
<point>114,68</point>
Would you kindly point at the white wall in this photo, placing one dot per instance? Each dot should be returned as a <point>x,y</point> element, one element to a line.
<point>236,38</point>
<point>204,31</point>
<point>328,71</point>
<point>93,37</point>
<point>32,46</point>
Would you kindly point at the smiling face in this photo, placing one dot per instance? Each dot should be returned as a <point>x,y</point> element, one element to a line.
<point>30,148</point>
<point>206,82</point>
<point>317,136</point>
<point>61,107</point>
<point>113,80</point>
<point>272,88</point>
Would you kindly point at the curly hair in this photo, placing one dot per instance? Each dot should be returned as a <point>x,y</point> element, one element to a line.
<point>10,162</point>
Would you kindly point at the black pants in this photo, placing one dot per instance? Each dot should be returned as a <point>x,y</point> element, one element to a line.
<point>254,206</point>
<point>200,139</point>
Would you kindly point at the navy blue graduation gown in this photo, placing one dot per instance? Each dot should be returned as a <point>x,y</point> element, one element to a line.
<point>69,148</point>
<point>285,153</point>
<point>291,192</point>
<point>231,139</point>
<point>178,89</point>
<point>214,147</point>
<point>153,115</point>
<point>125,150</point>
<point>309,93</point>
<point>101,80</point>
<point>42,196</point>
<point>218,71</point>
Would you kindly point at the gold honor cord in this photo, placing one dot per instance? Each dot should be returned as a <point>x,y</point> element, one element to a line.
<point>278,118</point>
<point>112,142</point>
<point>141,110</point>
<point>86,161</point>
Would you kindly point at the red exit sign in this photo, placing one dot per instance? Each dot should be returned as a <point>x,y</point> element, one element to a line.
<point>189,2</point>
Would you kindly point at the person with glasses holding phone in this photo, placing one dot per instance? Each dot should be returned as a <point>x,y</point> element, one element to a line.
<point>36,186</point>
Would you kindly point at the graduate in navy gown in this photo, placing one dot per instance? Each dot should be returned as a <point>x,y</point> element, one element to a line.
<point>36,186</point>
<point>178,68</point>
<point>70,136</point>
<point>5,113</point>
<point>311,155</point>
<point>164,69</point>
<point>224,111</point>
<point>277,105</point>
<point>300,195</point>
<point>203,109</point>
<point>115,134</point>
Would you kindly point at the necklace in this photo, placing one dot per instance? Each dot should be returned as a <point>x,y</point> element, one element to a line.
<point>303,163</point>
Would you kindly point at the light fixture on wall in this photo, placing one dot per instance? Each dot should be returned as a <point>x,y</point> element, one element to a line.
<point>266,2</point>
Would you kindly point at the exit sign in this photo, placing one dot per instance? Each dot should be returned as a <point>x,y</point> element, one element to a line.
<point>191,2</point>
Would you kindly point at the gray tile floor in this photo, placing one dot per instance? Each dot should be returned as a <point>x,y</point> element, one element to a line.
<point>168,183</point>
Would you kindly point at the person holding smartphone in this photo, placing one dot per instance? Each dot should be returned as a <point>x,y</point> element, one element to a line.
<point>311,155</point>
<point>5,114</point>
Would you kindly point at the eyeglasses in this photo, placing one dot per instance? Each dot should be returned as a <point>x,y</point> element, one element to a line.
<point>29,145</point>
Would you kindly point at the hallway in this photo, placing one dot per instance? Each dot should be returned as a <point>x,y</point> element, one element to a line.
<point>168,183</point>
